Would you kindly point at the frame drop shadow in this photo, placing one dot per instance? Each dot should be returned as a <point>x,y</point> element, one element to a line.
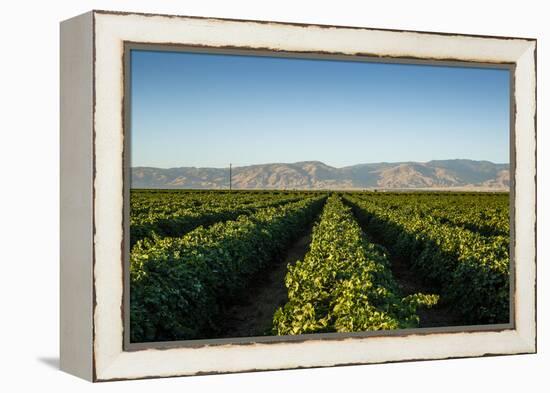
<point>50,361</point>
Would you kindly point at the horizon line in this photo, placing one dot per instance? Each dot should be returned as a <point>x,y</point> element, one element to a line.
<point>321,162</point>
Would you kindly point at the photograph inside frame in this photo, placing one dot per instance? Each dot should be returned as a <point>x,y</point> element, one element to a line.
<point>283,196</point>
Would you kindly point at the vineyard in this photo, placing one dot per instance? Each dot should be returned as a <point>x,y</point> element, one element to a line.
<point>367,261</point>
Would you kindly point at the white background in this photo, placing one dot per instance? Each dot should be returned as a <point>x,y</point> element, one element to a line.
<point>29,230</point>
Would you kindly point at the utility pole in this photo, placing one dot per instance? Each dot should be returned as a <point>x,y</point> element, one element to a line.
<point>230,185</point>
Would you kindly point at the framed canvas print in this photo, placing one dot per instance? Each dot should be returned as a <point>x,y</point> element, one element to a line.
<point>245,195</point>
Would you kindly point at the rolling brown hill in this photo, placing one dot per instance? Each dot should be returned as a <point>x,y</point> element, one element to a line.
<point>315,175</point>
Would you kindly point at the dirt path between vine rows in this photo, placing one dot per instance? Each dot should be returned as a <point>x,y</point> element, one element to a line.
<point>436,316</point>
<point>409,281</point>
<point>253,315</point>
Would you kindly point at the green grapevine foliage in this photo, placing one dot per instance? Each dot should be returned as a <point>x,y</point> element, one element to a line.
<point>193,253</point>
<point>344,283</point>
<point>470,269</point>
<point>179,285</point>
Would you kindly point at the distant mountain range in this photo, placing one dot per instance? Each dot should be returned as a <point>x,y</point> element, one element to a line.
<point>314,175</point>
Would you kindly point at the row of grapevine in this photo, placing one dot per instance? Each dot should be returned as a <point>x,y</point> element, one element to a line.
<point>344,283</point>
<point>178,286</point>
<point>471,270</point>
<point>168,201</point>
<point>177,222</point>
<point>487,214</point>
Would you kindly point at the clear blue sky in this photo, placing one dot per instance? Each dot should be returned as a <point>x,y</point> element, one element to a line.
<point>209,110</point>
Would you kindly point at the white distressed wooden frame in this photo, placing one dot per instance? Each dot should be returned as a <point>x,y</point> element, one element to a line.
<point>92,48</point>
